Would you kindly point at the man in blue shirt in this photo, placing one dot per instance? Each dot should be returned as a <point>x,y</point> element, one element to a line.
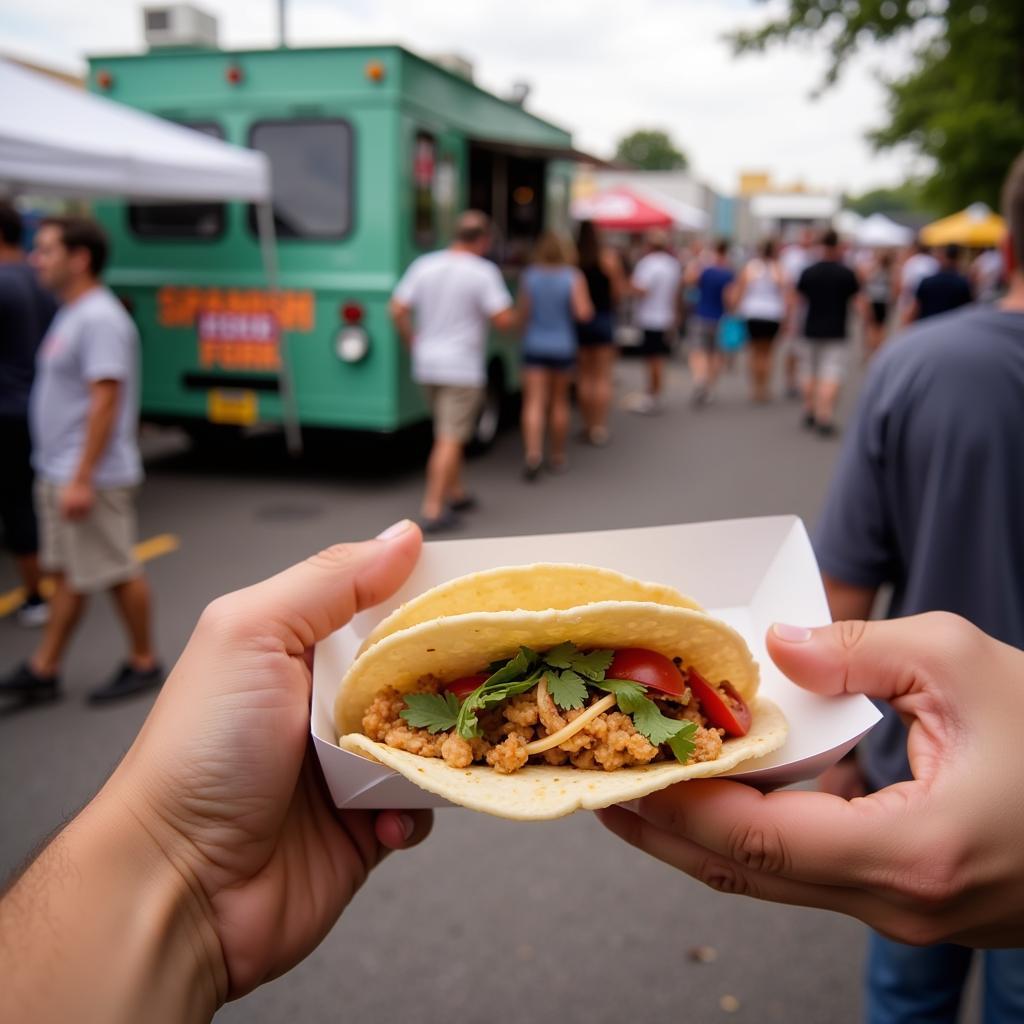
<point>929,499</point>
<point>25,313</point>
<point>711,283</point>
<point>943,291</point>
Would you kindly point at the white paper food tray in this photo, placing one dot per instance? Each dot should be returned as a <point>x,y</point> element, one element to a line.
<point>748,572</point>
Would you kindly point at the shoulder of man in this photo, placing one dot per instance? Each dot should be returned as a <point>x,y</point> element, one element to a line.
<point>104,311</point>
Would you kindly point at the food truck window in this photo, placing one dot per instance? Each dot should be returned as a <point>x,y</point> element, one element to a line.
<point>511,189</point>
<point>311,170</point>
<point>424,173</point>
<point>181,220</point>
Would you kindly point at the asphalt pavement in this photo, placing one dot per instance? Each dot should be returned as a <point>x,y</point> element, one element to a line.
<point>490,919</point>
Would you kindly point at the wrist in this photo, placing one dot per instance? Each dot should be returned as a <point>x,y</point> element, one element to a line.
<point>135,941</point>
<point>186,961</point>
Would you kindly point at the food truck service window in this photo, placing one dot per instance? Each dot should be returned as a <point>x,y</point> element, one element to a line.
<point>203,221</point>
<point>311,168</point>
<point>424,172</point>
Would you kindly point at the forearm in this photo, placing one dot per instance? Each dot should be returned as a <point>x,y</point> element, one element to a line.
<point>102,927</point>
<point>847,601</point>
<point>403,324</point>
<point>99,426</point>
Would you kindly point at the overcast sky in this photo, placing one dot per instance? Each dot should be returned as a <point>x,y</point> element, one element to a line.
<point>598,68</point>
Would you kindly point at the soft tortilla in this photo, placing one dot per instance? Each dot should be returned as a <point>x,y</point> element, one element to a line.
<point>537,587</point>
<point>459,645</point>
<point>541,792</point>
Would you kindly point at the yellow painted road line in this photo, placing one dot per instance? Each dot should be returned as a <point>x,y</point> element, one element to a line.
<point>145,551</point>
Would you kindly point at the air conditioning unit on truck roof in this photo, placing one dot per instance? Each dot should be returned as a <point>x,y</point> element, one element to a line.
<point>179,25</point>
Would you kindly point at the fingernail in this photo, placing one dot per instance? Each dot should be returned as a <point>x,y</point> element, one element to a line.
<point>407,824</point>
<point>792,634</point>
<point>395,530</point>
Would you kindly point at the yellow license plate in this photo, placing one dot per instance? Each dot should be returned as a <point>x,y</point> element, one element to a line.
<point>240,408</point>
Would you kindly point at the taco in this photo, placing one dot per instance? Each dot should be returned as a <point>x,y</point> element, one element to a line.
<point>534,712</point>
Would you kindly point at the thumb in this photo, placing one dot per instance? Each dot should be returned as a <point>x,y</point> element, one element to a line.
<point>887,660</point>
<point>311,600</point>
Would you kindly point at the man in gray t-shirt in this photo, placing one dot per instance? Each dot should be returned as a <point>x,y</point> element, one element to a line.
<point>83,413</point>
<point>929,498</point>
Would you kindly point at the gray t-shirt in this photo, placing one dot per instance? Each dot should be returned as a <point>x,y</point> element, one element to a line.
<point>91,339</point>
<point>929,492</point>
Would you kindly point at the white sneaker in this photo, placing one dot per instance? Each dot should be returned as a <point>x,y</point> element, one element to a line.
<point>33,614</point>
<point>645,405</point>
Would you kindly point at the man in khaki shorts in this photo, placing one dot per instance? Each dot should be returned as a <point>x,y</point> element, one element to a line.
<point>84,416</point>
<point>453,296</point>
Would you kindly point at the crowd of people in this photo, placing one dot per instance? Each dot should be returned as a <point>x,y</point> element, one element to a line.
<point>573,296</point>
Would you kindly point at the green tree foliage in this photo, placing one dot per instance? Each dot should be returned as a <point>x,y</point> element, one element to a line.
<point>650,150</point>
<point>962,105</point>
<point>905,198</point>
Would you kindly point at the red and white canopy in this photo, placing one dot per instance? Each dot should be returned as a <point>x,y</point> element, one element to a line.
<point>621,209</point>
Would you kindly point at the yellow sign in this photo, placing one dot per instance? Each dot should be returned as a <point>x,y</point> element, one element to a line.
<point>239,408</point>
<point>179,306</point>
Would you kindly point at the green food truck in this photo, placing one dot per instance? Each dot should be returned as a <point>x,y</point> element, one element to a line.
<point>373,152</point>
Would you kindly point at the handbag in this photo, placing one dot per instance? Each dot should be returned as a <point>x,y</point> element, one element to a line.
<point>732,333</point>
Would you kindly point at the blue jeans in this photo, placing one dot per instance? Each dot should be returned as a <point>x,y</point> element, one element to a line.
<point>923,985</point>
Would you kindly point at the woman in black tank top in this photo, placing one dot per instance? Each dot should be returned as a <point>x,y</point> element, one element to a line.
<point>602,270</point>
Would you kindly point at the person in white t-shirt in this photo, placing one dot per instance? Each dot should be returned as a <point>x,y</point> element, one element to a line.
<point>442,308</point>
<point>655,281</point>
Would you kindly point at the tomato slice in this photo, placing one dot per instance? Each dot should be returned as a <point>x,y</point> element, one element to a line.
<point>723,707</point>
<point>463,687</point>
<point>648,668</point>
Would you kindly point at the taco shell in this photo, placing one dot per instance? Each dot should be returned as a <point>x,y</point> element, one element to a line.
<point>538,587</point>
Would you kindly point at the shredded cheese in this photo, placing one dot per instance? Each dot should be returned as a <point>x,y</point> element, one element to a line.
<point>567,731</point>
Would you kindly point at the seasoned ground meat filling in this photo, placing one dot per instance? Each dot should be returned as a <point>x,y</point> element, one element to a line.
<point>608,742</point>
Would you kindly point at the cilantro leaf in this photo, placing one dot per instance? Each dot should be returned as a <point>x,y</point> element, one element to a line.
<point>432,711</point>
<point>514,668</point>
<point>567,689</point>
<point>561,656</point>
<point>592,665</point>
<point>627,692</point>
<point>682,744</point>
<point>505,682</point>
<point>653,724</point>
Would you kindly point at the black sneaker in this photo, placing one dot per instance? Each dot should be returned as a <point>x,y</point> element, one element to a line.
<point>447,520</point>
<point>127,682</point>
<point>467,503</point>
<point>531,470</point>
<point>25,685</point>
<point>827,430</point>
<point>808,422</point>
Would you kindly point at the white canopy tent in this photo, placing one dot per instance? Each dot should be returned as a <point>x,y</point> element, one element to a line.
<point>847,223</point>
<point>881,232</point>
<point>60,141</point>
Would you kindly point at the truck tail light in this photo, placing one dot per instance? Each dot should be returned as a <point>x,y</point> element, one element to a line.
<point>351,313</point>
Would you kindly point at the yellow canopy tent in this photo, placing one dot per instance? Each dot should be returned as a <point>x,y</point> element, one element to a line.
<point>976,227</point>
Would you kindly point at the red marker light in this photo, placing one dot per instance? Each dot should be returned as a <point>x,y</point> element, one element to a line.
<point>234,74</point>
<point>352,313</point>
<point>104,79</point>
